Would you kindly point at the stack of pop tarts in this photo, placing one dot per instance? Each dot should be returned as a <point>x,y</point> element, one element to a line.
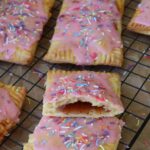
<point>79,107</point>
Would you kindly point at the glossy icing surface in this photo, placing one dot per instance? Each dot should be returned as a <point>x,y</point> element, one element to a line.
<point>83,84</point>
<point>21,24</point>
<point>8,110</point>
<point>143,15</point>
<point>76,133</point>
<point>88,28</point>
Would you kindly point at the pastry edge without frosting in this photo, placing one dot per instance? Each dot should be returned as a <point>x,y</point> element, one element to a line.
<point>138,28</point>
<point>55,56</point>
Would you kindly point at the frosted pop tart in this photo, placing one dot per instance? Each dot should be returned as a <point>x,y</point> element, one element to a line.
<point>140,22</point>
<point>21,26</point>
<point>88,33</point>
<point>11,101</point>
<point>82,94</point>
<point>75,134</point>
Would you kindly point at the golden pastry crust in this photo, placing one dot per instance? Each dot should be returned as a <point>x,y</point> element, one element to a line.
<point>5,126</point>
<point>120,4</point>
<point>24,57</point>
<point>55,56</point>
<point>18,95</point>
<point>30,145</point>
<point>114,58</point>
<point>137,27</point>
<point>83,106</point>
<point>20,56</point>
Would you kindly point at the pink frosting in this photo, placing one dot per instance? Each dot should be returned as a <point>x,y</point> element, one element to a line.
<point>143,18</point>
<point>21,24</point>
<point>8,109</point>
<point>87,27</point>
<point>80,84</point>
<point>76,133</point>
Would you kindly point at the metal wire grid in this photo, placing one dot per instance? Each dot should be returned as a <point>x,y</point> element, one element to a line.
<point>135,75</point>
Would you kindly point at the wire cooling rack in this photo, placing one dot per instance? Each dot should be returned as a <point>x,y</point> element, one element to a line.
<point>135,86</point>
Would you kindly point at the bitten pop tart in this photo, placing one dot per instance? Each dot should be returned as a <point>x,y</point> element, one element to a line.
<point>11,101</point>
<point>140,22</point>
<point>82,94</point>
<point>88,33</point>
<point>75,134</point>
